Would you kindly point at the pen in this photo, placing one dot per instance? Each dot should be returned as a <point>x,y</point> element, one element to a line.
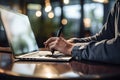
<point>58,35</point>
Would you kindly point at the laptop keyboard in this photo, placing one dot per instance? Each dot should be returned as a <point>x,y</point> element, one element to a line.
<point>44,54</point>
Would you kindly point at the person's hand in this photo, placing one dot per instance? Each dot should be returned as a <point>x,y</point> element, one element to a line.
<point>60,44</point>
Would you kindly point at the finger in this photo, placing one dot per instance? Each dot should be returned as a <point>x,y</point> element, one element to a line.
<point>49,41</point>
<point>45,45</point>
<point>52,45</point>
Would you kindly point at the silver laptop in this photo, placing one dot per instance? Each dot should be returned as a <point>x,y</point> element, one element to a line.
<point>22,40</point>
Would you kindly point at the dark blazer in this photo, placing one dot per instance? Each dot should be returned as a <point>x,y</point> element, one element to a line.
<point>105,45</point>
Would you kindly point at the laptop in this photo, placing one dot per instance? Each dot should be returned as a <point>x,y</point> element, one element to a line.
<point>22,40</point>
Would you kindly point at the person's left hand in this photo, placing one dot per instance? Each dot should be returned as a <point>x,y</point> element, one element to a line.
<point>60,44</point>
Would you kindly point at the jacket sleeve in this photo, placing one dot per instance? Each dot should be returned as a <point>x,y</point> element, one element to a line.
<point>103,51</point>
<point>104,47</point>
<point>108,31</point>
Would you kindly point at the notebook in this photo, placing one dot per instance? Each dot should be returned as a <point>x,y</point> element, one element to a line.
<point>22,40</point>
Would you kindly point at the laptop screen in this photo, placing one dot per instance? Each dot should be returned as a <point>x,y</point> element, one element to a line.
<point>19,32</point>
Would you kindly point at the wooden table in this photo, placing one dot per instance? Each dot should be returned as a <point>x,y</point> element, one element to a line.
<point>32,70</point>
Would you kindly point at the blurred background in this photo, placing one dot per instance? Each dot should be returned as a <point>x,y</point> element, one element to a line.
<point>80,18</point>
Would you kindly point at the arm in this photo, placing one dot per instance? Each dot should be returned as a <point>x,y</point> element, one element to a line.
<point>106,50</point>
<point>106,33</point>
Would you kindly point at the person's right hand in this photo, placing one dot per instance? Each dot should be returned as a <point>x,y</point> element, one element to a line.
<point>60,44</point>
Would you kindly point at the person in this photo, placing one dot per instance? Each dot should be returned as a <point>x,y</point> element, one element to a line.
<point>103,46</point>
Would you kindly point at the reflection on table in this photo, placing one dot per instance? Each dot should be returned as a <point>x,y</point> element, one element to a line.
<point>44,69</point>
<point>55,70</point>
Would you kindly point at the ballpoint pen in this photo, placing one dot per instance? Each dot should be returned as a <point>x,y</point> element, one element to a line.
<point>58,35</point>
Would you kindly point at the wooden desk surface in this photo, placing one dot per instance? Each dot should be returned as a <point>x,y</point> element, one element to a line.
<point>55,70</point>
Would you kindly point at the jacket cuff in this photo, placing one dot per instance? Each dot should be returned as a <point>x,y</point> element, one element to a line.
<point>77,53</point>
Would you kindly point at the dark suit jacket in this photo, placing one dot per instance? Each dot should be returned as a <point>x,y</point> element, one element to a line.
<point>104,46</point>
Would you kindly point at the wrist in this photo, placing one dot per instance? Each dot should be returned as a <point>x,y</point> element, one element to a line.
<point>69,48</point>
